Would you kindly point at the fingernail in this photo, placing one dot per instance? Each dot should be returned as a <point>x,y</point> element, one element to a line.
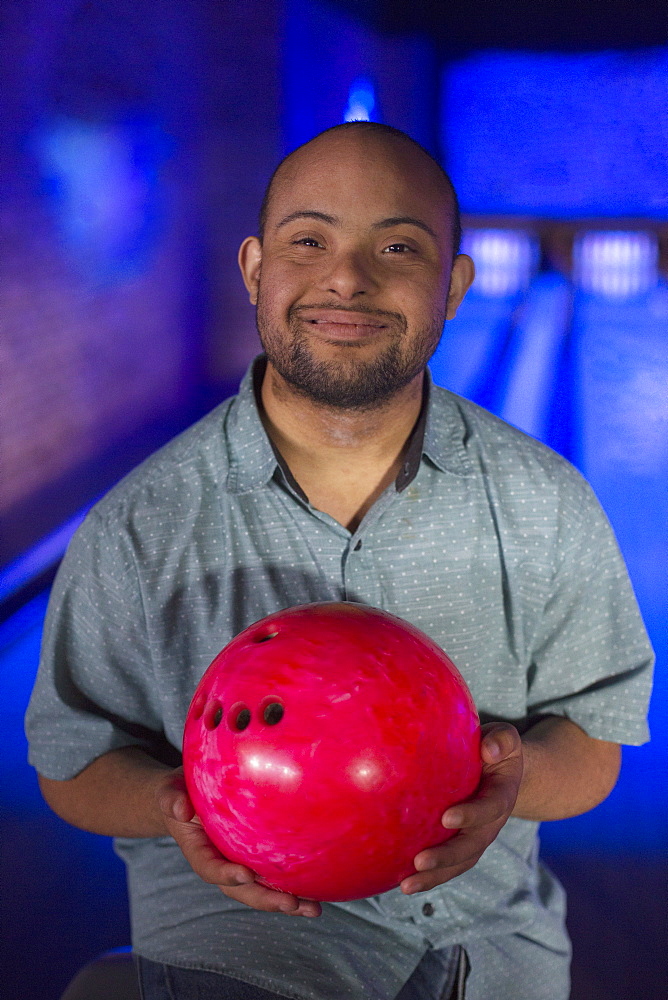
<point>244,879</point>
<point>452,819</point>
<point>493,749</point>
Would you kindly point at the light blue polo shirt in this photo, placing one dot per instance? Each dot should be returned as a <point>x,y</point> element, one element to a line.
<point>489,542</point>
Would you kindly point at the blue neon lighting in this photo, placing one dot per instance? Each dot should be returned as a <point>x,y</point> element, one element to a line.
<point>505,259</point>
<point>616,265</point>
<point>102,182</point>
<point>41,557</point>
<point>361,101</point>
<point>572,135</point>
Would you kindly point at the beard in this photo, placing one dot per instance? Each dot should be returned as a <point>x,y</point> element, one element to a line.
<point>349,384</point>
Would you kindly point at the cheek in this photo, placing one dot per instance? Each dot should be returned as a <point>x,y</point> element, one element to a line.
<point>423,285</point>
<point>270,299</point>
<point>280,287</point>
<point>424,305</point>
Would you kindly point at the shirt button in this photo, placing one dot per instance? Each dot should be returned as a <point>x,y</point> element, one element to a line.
<point>428,910</point>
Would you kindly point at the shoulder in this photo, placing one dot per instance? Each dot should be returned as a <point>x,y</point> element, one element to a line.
<point>515,467</point>
<point>182,470</point>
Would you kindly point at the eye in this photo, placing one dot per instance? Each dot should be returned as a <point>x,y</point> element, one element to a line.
<point>397,248</point>
<point>306,241</point>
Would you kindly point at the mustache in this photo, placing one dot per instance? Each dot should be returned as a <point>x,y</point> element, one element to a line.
<point>365,310</point>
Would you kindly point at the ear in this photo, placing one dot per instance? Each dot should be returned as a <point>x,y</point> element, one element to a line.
<point>461,279</point>
<point>250,259</point>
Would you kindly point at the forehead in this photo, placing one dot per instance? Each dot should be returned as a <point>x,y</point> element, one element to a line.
<point>360,180</point>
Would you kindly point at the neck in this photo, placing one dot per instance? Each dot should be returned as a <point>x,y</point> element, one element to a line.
<point>342,459</point>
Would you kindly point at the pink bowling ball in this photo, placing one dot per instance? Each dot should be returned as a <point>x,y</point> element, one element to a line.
<point>324,744</point>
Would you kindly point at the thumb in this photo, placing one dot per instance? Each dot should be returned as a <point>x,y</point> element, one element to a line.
<point>173,799</point>
<point>499,741</point>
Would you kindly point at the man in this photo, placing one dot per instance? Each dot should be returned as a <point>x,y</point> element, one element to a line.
<point>341,473</point>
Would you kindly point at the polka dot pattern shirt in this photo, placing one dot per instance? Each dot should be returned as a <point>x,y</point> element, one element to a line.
<point>488,541</point>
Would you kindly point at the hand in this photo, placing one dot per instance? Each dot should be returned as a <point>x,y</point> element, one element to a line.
<point>205,859</point>
<point>478,820</point>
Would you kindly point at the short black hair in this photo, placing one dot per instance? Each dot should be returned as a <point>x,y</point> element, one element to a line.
<point>381,129</point>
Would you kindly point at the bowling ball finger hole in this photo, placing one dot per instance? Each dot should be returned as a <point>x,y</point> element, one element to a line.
<point>273,713</point>
<point>266,636</point>
<point>213,715</point>
<point>240,718</point>
<point>199,705</point>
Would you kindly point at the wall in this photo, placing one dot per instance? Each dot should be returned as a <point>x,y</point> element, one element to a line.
<point>135,143</point>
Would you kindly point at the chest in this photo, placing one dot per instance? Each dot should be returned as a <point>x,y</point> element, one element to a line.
<point>436,557</point>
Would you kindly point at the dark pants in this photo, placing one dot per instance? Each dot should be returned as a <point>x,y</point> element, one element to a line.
<point>167,982</point>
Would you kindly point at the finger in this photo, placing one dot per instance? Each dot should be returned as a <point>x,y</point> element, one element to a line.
<point>204,857</point>
<point>423,883</point>
<point>186,829</point>
<point>495,797</point>
<point>458,851</point>
<point>236,881</point>
<point>499,741</point>
<point>173,799</point>
<point>206,860</point>
<point>440,864</point>
<point>259,897</point>
<point>494,801</point>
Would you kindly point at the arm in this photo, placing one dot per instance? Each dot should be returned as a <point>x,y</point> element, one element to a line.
<point>555,770</point>
<point>114,796</point>
<point>565,772</point>
<point>126,793</point>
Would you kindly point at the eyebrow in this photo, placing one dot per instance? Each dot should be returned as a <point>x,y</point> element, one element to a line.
<point>405,220</point>
<point>332,220</point>
<point>308,214</point>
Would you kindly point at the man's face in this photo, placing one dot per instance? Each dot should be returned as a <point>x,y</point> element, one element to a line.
<point>351,280</point>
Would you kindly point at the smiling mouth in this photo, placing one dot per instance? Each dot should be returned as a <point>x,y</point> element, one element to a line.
<point>346,319</point>
<point>345,322</point>
<point>339,324</point>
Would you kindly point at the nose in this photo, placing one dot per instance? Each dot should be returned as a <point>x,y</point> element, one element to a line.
<point>348,275</point>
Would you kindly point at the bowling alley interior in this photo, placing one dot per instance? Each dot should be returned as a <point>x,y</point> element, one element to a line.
<point>136,139</point>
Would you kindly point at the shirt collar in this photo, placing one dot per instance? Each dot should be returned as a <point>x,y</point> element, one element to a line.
<point>413,456</point>
<point>438,434</point>
<point>445,433</point>
<point>252,458</point>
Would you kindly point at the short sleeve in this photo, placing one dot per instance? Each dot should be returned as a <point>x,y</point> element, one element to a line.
<point>592,661</point>
<point>94,691</point>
